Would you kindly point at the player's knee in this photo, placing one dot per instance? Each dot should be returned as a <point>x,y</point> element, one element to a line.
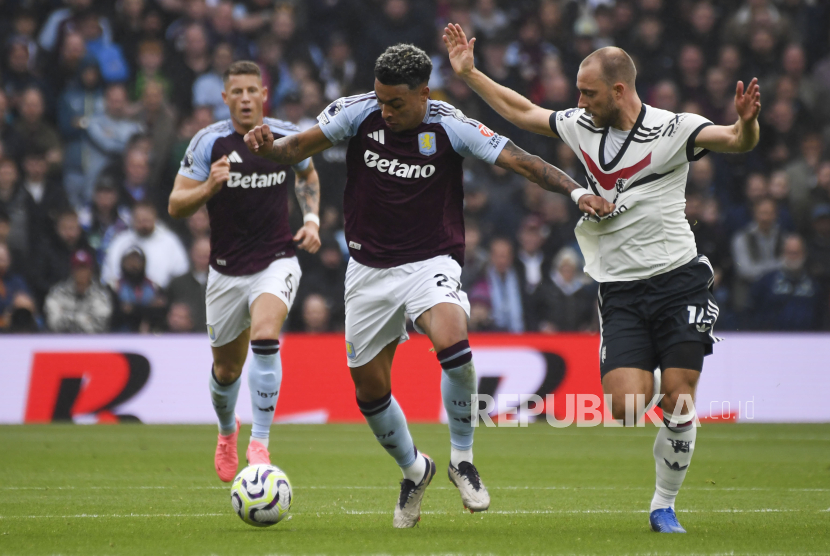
<point>678,398</point>
<point>226,372</point>
<point>370,386</point>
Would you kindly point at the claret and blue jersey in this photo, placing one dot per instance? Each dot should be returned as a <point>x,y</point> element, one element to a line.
<point>249,215</point>
<point>404,197</point>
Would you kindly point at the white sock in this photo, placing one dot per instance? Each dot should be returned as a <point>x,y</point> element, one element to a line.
<point>457,456</point>
<point>224,398</point>
<point>264,379</point>
<point>263,441</point>
<point>673,451</point>
<point>415,472</point>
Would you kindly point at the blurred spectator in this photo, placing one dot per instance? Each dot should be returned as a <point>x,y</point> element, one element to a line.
<point>56,253</point>
<point>488,19</point>
<point>81,100</point>
<point>818,247</point>
<point>189,288</point>
<point>61,21</point>
<point>223,29</point>
<point>566,300</point>
<point>339,69</point>
<point>527,53</point>
<point>80,303</point>
<point>10,286</point>
<point>71,61</point>
<point>502,288</point>
<point>159,120</point>
<point>24,317</point>
<point>34,131</point>
<point>530,257</point>
<point>150,68</point>
<point>107,137</point>
<point>19,75</point>
<point>198,225</point>
<point>276,75</point>
<point>16,206</point>
<point>139,302</point>
<point>179,318</point>
<point>316,314</point>
<point>104,218</point>
<point>10,142</point>
<point>475,256</point>
<point>801,174</point>
<point>193,61</point>
<point>46,195</point>
<point>208,87</point>
<point>96,32</point>
<point>756,249</point>
<point>788,298</point>
<point>165,255</point>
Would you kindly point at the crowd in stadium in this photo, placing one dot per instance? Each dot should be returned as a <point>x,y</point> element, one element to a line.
<point>98,101</point>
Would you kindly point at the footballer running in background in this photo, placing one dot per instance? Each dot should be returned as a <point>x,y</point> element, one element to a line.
<point>655,301</point>
<point>405,232</point>
<point>253,273</point>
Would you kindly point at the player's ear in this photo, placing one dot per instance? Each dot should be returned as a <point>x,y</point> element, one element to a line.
<point>224,97</point>
<point>264,95</point>
<point>424,93</point>
<point>619,90</point>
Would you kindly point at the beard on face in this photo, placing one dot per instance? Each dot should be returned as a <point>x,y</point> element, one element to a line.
<point>609,115</point>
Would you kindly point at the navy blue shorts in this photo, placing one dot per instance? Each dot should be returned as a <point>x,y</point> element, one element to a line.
<point>641,320</point>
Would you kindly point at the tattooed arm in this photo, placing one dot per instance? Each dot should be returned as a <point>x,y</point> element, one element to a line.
<point>549,177</point>
<point>307,189</point>
<point>287,150</point>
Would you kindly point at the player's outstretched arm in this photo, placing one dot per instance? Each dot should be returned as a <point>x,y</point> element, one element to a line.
<point>743,135</point>
<point>292,149</point>
<point>512,106</point>
<point>307,189</point>
<point>551,178</point>
<point>189,194</point>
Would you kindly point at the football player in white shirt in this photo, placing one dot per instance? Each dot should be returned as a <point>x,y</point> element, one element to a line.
<point>656,305</point>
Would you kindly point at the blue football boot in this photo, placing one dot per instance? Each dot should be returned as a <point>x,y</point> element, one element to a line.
<point>663,520</point>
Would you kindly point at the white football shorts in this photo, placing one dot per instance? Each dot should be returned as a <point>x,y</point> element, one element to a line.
<point>378,300</point>
<point>229,298</point>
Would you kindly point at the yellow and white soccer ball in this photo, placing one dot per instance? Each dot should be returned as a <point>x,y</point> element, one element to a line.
<point>261,495</point>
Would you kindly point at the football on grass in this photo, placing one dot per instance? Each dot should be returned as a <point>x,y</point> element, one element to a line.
<point>261,495</point>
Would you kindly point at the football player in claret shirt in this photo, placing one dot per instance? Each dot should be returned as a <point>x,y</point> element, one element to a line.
<point>253,274</point>
<point>655,301</point>
<point>405,232</point>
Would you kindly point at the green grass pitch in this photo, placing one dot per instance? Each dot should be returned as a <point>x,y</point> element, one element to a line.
<point>136,489</point>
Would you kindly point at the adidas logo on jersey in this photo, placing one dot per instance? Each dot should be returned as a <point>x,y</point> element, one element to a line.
<point>256,180</point>
<point>395,168</point>
<point>234,157</point>
<point>377,136</point>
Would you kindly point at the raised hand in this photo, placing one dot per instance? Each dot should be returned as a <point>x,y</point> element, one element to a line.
<point>260,140</point>
<point>459,49</point>
<point>748,103</point>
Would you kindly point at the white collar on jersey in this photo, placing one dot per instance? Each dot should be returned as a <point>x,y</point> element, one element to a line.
<point>608,166</point>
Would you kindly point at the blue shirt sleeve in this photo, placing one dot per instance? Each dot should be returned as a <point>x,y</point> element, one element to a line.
<point>340,120</point>
<point>472,138</point>
<point>196,162</point>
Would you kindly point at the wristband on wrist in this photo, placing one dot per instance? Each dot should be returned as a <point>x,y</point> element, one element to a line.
<point>311,217</point>
<point>577,193</point>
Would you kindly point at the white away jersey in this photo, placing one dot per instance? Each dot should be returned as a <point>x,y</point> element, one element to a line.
<point>648,233</point>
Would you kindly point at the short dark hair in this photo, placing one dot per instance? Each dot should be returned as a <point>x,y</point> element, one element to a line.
<point>242,67</point>
<point>403,64</point>
<point>616,65</point>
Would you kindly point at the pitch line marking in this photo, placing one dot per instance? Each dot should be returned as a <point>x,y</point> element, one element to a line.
<point>428,512</point>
